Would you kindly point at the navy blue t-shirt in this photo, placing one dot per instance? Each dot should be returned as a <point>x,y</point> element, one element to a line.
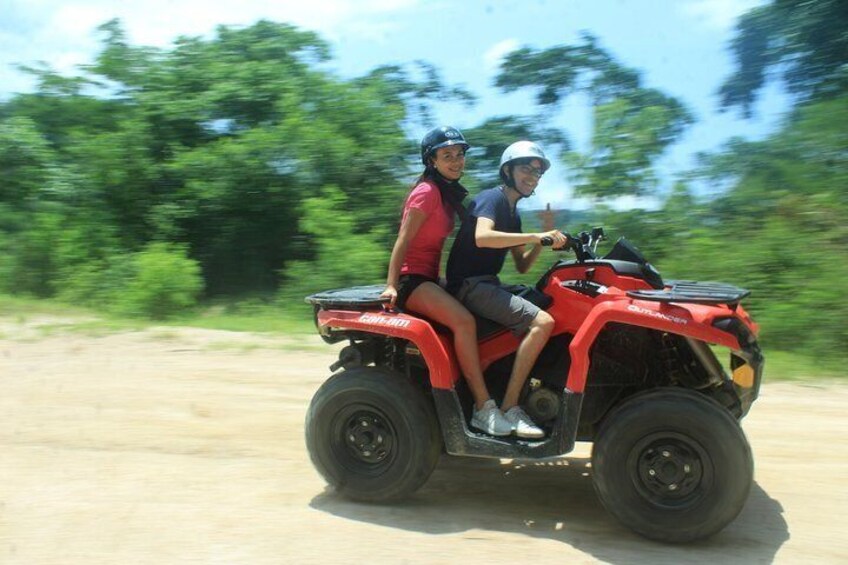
<point>466,259</point>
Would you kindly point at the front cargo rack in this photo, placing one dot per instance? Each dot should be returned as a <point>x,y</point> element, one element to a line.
<point>693,292</point>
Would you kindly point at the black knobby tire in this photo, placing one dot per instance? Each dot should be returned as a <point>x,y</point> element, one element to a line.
<point>672,465</point>
<point>372,435</point>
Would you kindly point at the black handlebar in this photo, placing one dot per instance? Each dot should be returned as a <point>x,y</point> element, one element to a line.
<point>547,241</point>
<point>581,244</point>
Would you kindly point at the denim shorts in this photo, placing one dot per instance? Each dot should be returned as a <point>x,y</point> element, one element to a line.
<point>487,297</point>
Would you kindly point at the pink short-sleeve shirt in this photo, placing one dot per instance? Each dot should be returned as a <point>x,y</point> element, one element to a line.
<point>425,250</point>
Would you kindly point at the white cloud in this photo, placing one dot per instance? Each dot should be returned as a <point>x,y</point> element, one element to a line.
<point>494,54</point>
<point>719,15</point>
<point>62,33</point>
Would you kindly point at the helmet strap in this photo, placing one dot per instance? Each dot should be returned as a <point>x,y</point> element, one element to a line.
<point>507,177</point>
<point>451,190</point>
<point>521,194</point>
<point>432,170</point>
<point>509,182</point>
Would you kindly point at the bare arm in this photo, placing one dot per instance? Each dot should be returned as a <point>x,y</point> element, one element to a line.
<point>486,236</point>
<point>524,256</point>
<point>408,229</point>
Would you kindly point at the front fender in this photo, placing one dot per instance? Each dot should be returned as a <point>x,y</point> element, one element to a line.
<point>689,320</point>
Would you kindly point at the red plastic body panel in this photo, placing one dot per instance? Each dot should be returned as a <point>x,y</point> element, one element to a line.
<point>575,313</point>
<point>584,316</point>
<point>437,349</point>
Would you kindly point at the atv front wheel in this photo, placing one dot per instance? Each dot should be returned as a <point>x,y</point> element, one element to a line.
<point>372,435</point>
<point>672,465</point>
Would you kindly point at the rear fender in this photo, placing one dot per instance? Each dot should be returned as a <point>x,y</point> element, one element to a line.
<point>689,320</point>
<point>435,348</point>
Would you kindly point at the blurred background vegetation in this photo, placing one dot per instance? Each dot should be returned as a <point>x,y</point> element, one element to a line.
<point>238,170</point>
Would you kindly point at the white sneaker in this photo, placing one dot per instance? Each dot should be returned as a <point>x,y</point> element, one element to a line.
<point>522,424</point>
<point>491,420</point>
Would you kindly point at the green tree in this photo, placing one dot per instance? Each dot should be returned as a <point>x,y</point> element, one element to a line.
<point>342,256</point>
<point>489,140</point>
<point>27,163</point>
<point>163,281</point>
<point>780,229</point>
<point>633,124</point>
<point>803,43</point>
<point>215,144</point>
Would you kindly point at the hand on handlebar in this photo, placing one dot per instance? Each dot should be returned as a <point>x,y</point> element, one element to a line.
<point>553,238</point>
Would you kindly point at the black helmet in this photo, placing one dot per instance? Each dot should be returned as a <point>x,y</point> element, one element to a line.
<point>440,137</point>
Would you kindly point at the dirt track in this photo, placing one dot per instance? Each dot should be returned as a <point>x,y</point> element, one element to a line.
<point>186,446</point>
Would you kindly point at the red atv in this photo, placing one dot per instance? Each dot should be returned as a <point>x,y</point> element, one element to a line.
<point>629,367</point>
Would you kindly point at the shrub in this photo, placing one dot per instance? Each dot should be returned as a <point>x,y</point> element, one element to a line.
<point>341,257</point>
<point>163,282</point>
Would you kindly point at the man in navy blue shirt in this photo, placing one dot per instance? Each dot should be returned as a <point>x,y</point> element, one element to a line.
<point>492,227</point>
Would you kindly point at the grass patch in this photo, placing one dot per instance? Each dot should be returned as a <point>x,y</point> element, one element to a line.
<point>785,366</point>
<point>250,316</point>
<point>261,317</point>
<point>789,366</point>
<point>68,318</point>
<point>245,323</point>
<point>21,308</point>
<point>243,316</point>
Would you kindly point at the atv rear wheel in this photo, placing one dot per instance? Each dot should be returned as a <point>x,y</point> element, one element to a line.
<point>372,435</point>
<point>672,465</point>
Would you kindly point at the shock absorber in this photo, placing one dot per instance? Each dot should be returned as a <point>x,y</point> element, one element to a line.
<point>670,358</point>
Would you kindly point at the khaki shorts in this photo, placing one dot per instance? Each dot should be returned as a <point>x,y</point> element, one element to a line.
<point>487,297</point>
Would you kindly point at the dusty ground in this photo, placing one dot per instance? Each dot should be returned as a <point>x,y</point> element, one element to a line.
<point>186,446</point>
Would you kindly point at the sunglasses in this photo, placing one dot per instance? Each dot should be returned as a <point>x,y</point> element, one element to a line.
<point>529,170</point>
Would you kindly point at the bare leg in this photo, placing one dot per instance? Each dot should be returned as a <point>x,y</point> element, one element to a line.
<point>528,351</point>
<point>433,301</point>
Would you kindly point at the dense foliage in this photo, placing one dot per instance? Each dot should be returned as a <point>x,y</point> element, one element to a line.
<point>804,43</point>
<point>781,229</point>
<point>240,164</point>
<point>633,124</point>
<point>214,144</point>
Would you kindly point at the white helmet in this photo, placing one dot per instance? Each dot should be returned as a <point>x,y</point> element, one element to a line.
<point>522,150</point>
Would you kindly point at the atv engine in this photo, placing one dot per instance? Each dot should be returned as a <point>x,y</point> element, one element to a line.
<point>541,402</point>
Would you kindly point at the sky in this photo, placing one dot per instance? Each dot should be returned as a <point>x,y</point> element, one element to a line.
<point>679,46</point>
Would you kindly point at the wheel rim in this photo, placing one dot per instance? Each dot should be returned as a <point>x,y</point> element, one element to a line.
<point>670,470</point>
<point>364,439</point>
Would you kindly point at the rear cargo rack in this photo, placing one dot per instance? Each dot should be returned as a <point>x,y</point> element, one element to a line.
<point>693,292</point>
<point>351,298</point>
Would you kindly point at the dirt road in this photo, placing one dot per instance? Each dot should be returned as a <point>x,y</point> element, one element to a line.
<point>186,446</point>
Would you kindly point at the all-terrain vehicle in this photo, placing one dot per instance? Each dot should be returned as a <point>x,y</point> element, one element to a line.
<point>630,367</point>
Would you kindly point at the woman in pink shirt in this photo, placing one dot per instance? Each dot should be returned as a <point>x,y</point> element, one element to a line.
<point>413,279</point>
